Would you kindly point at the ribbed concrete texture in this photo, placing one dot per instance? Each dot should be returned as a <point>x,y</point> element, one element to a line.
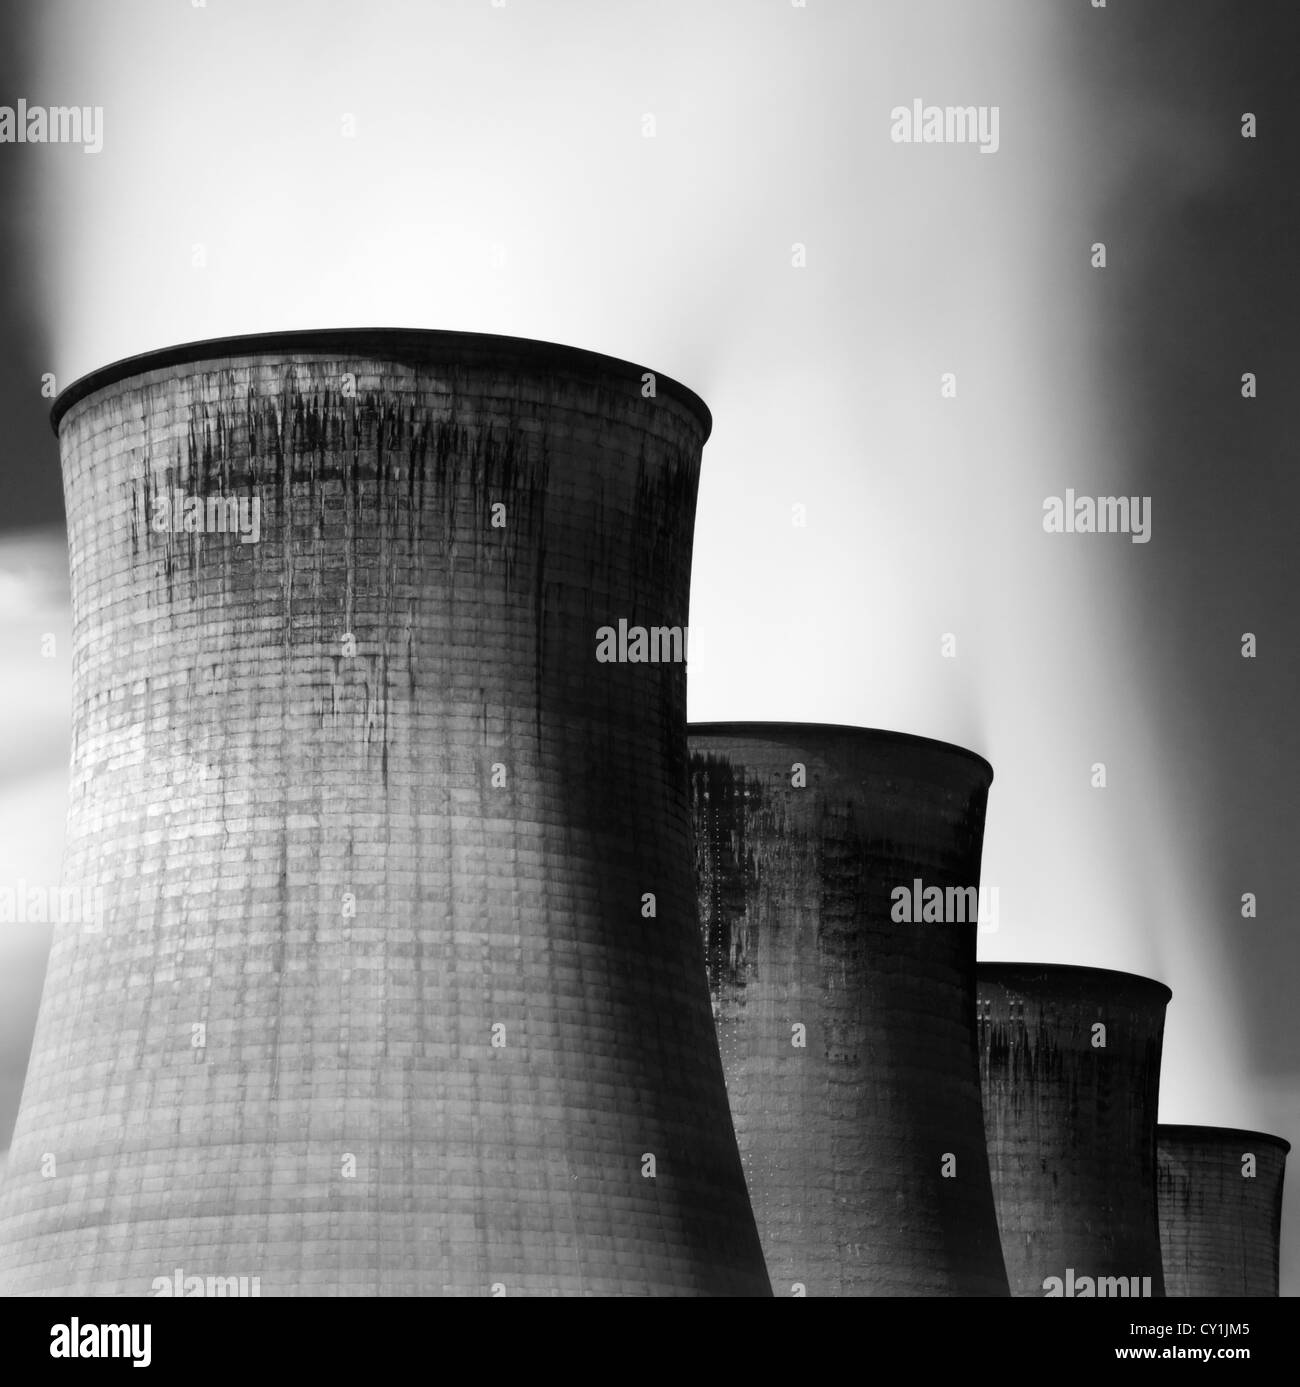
<point>1070,1067</point>
<point>847,1032</point>
<point>399,987</point>
<point>1219,1192</point>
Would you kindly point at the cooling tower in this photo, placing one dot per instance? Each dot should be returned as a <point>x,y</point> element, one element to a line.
<point>845,1006</point>
<point>1070,1066</point>
<point>1219,1193</point>
<point>399,987</point>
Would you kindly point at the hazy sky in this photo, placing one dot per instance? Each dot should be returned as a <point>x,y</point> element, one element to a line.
<point>270,165</point>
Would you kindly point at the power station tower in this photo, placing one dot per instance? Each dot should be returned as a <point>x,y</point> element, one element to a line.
<point>1219,1192</point>
<point>838,871</point>
<point>1070,1066</point>
<point>379,763</point>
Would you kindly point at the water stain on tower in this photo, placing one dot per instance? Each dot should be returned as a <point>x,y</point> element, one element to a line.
<point>377,1007</point>
<point>848,1038</point>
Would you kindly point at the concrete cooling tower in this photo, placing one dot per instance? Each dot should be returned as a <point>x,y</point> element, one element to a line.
<point>1070,1066</point>
<point>1219,1192</point>
<point>379,767</point>
<point>838,871</point>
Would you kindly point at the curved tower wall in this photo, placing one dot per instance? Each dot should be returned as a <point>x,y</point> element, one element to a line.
<point>848,1036</point>
<point>378,1005</point>
<point>1219,1192</point>
<point>1071,1124</point>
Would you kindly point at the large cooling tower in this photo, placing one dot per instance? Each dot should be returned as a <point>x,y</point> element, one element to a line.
<point>1070,1066</point>
<point>399,987</point>
<point>1219,1192</point>
<point>844,996</point>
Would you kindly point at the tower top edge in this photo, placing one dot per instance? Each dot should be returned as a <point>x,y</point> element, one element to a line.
<point>812,735</point>
<point>1184,1133</point>
<point>1018,974</point>
<point>416,347</point>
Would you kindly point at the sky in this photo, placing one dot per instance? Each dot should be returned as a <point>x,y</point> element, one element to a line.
<point>710,188</point>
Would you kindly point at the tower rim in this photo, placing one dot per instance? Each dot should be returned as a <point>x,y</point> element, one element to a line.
<point>796,731</point>
<point>998,972</point>
<point>421,347</point>
<point>1190,1131</point>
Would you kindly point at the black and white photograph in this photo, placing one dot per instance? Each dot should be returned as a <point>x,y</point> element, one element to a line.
<point>648,648</point>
